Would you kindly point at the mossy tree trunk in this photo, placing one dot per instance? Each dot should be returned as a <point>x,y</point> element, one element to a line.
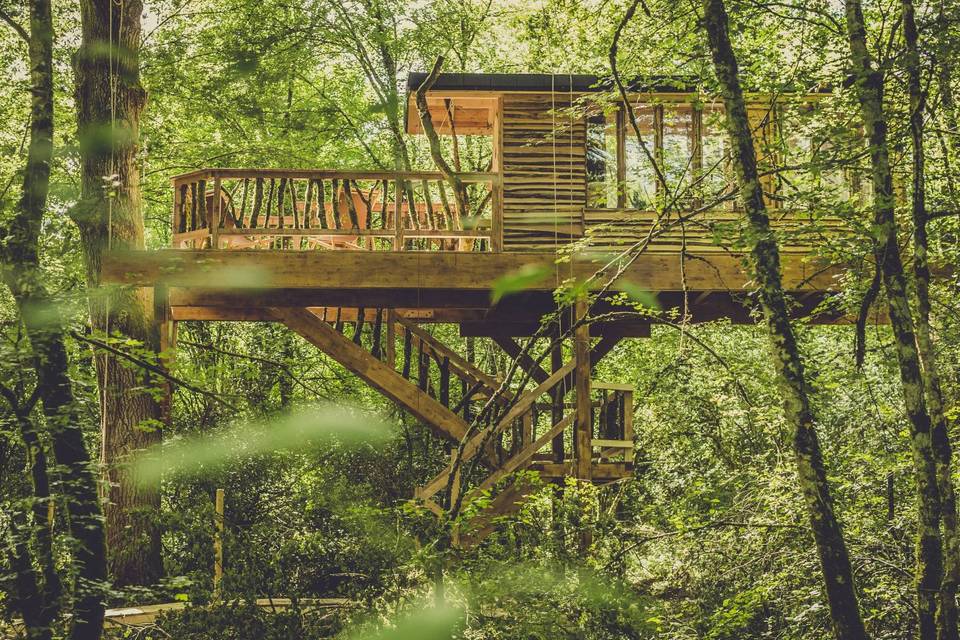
<point>20,257</point>
<point>834,559</point>
<point>947,613</point>
<point>109,100</point>
<point>869,84</point>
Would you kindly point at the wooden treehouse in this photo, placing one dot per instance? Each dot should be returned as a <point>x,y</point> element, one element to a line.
<point>357,262</point>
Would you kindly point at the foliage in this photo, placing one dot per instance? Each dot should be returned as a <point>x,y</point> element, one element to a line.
<point>708,540</point>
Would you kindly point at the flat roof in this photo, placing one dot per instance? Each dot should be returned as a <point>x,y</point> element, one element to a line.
<point>578,83</point>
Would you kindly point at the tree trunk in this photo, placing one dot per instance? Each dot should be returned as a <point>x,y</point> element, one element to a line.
<point>947,612</point>
<point>21,272</point>
<point>869,86</point>
<point>109,102</point>
<point>834,560</point>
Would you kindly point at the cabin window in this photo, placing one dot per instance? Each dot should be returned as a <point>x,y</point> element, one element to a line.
<point>715,170</point>
<point>640,181</point>
<point>601,159</point>
<point>677,153</point>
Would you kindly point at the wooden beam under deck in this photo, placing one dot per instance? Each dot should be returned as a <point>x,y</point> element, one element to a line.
<point>413,271</point>
<point>441,286</point>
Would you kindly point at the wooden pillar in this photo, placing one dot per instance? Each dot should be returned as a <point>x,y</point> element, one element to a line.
<point>556,396</point>
<point>583,425</point>
<point>527,434</point>
<point>166,326</point>
<point>215,214</point>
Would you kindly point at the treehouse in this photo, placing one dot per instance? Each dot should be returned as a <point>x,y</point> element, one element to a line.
<point>574,185</point>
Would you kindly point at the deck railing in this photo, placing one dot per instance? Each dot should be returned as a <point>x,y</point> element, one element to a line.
<point>323,209</point>
<point>713,231</point>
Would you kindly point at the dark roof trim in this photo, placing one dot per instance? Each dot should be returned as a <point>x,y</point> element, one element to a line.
<point>560,82</point>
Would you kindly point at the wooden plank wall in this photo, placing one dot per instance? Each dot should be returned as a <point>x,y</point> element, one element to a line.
<point>544,171</point>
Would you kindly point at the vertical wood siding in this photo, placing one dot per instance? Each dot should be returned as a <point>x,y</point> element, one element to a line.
<point>544,173</point>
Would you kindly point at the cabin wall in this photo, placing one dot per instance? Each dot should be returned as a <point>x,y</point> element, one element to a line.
<point>544,172</point>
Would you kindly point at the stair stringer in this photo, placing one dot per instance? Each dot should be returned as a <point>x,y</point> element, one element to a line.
<point>441,420</point>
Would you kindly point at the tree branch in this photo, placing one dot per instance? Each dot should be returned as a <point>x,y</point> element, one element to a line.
<point>6,17</point>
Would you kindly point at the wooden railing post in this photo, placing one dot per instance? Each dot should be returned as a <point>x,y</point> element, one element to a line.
<point>215,214</point>
<point>397,216</point>
<point>175,214</point>
<point>209,192</point>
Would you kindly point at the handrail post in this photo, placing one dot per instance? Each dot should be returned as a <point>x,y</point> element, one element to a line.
<point>398,216</point>
<point>215,213</point>
<point>176,213</point>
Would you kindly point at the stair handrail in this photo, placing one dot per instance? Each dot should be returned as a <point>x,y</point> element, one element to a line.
<point>520,407</point>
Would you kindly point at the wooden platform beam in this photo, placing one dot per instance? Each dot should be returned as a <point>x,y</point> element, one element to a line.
<point>253,269</point>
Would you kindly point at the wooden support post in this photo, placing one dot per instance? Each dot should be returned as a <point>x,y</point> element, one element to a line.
<point>556,397</point>
<point>218,542</point>
<point>584,423</point>
<point>527,433</point>
<point>167,342</point>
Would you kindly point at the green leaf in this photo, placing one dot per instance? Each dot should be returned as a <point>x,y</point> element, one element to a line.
<point>519,280</point>
<point>431,623</point>
<point>639,295</point>
<point>309,427</point>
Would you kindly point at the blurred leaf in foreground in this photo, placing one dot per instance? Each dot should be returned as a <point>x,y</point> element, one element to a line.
<point>523,278</point>
<point>430,623</point>
<point>639,295</point>
<point>310,427</point>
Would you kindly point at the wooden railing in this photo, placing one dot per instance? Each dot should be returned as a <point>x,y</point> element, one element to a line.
<point>533,443</point>
<point>712,231</point>
<point>320,209</point>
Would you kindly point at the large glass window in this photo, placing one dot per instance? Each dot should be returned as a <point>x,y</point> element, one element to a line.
<point>640,182</point>
<point>677,154</point>
<point>602,160</point>
<point>716,170</point>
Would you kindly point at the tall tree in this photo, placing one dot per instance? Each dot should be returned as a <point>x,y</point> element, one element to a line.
<point>109,101</point>
<point>38,596</point>
<point>869,84</point>
<point>834,559</point>
<point>947,612</point>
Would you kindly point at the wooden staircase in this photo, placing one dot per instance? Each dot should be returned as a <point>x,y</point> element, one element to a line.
<point>537,431</point>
